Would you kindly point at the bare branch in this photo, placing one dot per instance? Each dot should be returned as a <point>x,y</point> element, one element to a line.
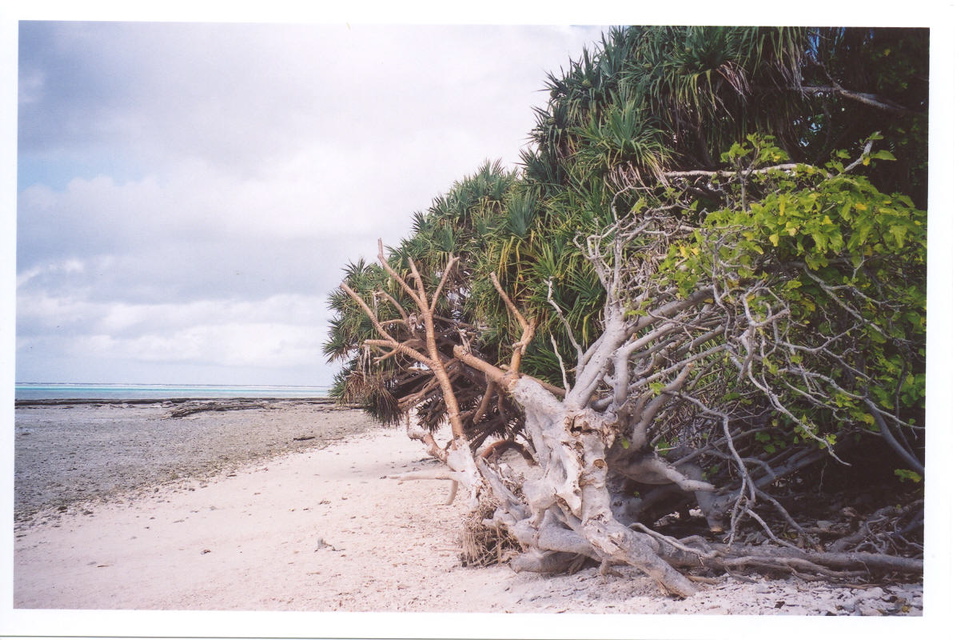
<point>527,328</point>
<point>639,429</point>
<point>433,358</point>
<point>443,282</point>
<point>567,326</point>
<point>869,99</point>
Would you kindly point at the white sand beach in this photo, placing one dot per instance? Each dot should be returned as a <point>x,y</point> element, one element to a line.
<point>326,530</point>
<point>314,531</point>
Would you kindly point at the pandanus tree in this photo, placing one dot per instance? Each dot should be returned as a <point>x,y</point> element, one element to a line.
<point>683,311</point>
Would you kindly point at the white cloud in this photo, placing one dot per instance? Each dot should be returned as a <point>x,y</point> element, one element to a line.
<point>285,331</point>
<point>293,310</point>
<point>259,345</point>
<point>194,190</point>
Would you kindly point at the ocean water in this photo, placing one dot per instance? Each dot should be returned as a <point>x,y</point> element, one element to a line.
<point>72,391</point>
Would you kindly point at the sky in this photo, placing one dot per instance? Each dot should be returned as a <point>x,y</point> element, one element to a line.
<point>188,193</point>
<point>188,190</point>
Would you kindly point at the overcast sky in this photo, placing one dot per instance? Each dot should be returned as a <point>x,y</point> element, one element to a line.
<point>189,192</point>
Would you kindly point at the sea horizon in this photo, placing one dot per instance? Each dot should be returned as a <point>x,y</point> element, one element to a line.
<point>141,391</point>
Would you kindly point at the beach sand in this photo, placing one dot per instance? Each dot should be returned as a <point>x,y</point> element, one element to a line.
<point>324,529</point>
<point>68,453</point>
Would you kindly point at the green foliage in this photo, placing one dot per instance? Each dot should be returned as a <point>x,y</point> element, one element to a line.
<point>739,136</point>
<point>845,263</point>
<point>662,97</point>
<point>906,475</point>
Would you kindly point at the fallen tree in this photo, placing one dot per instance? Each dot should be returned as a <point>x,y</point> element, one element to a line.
<point>672,395</point>
<point>688,369</point>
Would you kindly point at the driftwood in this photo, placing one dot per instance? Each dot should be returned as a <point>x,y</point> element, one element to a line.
<point>192,409</point>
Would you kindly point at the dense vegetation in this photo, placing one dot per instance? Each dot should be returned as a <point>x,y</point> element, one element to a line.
<point>703,293</point>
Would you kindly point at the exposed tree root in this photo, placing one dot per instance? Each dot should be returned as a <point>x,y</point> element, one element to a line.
<point>569,502</point>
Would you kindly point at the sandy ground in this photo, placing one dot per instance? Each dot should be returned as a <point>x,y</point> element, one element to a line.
<point>314,531</point>
<point>71,453</point>
<point>326,530</point>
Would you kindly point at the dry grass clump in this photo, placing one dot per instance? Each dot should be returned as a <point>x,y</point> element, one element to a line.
<point>484,544</point>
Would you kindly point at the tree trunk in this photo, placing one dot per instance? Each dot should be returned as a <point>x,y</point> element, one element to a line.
<point>568,496</point>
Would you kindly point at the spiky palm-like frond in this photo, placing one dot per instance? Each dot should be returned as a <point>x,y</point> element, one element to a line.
<point>644,102</point>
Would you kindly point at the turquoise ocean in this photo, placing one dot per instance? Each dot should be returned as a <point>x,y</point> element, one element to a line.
<point>76,391</point>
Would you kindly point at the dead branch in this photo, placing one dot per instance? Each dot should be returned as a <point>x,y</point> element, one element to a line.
<point>527,328</point>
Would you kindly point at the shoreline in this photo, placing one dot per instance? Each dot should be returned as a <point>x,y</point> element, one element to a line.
<point>327,529</point>
<point>70,454</point>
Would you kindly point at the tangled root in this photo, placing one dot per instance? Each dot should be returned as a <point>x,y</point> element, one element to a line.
<point>483,543</point>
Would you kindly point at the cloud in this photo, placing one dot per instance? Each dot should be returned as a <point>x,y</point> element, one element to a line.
<point>273,338</point>
<point>244,96</point>
<point>190,191</point>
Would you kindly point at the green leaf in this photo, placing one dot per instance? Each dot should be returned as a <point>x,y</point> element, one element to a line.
<point>899,233</point>
<point>906,475</point>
